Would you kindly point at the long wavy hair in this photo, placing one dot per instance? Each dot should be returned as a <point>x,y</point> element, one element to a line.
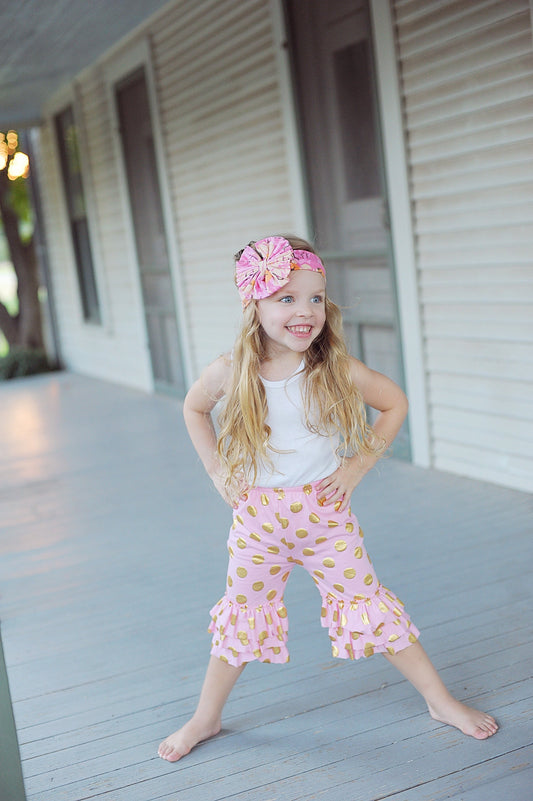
<point>331,401</point>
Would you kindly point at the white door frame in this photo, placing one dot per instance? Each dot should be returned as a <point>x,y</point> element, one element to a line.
<point>395,163</point>
<point>120,66</point>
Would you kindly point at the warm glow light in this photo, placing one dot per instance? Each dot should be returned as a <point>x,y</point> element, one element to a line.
<point>12,141</point>
<point>19,166</point>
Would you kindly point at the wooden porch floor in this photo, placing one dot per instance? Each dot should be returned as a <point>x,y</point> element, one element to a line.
<point>113,548</point>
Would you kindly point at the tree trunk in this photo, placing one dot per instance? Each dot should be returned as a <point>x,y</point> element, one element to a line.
<point>25,328</point>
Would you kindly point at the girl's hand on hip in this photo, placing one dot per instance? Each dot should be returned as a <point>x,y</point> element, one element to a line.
<point>337,488</point>
<point>230,498</point>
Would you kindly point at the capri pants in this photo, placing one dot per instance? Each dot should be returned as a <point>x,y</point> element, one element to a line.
<point>275,529</point>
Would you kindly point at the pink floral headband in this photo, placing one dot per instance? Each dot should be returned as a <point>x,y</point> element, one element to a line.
<point>265,267</point>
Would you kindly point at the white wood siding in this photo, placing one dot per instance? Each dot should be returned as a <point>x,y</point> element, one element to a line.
<point>222,120</point>
<point>467,78</point>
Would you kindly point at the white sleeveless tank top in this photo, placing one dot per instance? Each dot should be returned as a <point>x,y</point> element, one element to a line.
<point>304,456</point>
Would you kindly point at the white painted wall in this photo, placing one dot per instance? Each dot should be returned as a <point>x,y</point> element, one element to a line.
<point>467,77</point>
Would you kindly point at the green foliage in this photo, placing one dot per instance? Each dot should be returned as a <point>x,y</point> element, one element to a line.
<point>20,202</point>
<point>23,361</point>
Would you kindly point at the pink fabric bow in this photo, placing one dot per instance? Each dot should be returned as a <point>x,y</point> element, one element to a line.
<point>266,267</point>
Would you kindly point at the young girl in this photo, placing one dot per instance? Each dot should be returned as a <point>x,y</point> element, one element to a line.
<point>293,445</point>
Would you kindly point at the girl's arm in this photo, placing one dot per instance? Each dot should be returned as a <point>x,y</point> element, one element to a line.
<point>385,396</point>
<point>197,407</point>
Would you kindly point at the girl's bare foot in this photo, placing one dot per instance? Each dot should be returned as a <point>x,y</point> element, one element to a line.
<point>468,720</point>
<point>179,744</point>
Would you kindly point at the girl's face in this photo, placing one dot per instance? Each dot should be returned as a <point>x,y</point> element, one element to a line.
<point>294,315</point>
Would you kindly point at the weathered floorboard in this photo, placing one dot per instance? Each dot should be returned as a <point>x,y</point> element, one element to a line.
<point>113,548</point>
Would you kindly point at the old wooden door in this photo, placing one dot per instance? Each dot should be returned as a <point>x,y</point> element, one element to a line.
<point>330,44</point>
<point>150,238</point>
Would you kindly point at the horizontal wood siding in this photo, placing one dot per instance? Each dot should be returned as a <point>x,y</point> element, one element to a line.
<point>222,119</point>
<point>467,85</point>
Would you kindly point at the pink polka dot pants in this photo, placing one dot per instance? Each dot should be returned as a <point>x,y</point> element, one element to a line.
<point>275,529</point>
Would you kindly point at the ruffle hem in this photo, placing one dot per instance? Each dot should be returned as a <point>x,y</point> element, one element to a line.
<point>368,625</point>
<point>243,634</point>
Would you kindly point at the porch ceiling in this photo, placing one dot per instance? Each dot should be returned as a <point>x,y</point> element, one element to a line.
<point>45,43</point>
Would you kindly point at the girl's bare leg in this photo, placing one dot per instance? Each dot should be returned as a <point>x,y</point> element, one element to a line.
<point>207,720</point>
<point>415,665</point>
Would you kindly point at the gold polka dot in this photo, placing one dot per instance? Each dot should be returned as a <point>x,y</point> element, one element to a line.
<point>282,612</point>
<point>397,611</point>
<point>379,631</point>
<point>241,599</point>
<point>257,586</point>
<point>296,507</point>
<point>356,635</point>
<point>241,543</point>
<point>276,650</point>
<point>412,638</point>
<point>332,523</point>
<point>394,637</point>
<point>308,489</point>
<point>268,527</point>
<point>391,650</point>
<point>349,648</point>
<point>364,618</point>
<point>230,581</point>
<point>339,587</point>
<point>369,648</point>
<point>268,618</point>
<point>231,552</point>
<point>254,536</point>
<point>243,637</point>
<point>349,527</point>
<point>358,553</point>
<point>232,620</point>
<point>257,559</point>
<point>349,573</point>
<point>368,579</point>
<point>251,623</point>
<point>251,511</point>
<point>338,504</point>
<point>318,573</point>
<point>284,523</point>
<point>290,545</point>
<point>273,549</point>
<point>328,562</point>
<point>242,572</point>
<point>271,595</point>
<point>274,570</point>
<point>340,546</point>
<point>308,552</point>
<point>239,519</point>
<point>314,518</point>
<point>257,652</point>
<point>264,499</point>
<point>319,540</point>
<point>286,575</point>
<point>223,659</point>
<point>334,650</point>
<point>383,607</point>
<point>323,612</point>
<point>344,619</point>
<point>321,501</point>
<point>301,533</point>
<point>262,637</point>
<point>361,532</point>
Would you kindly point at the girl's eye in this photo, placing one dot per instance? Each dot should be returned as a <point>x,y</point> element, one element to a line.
<point>286,299</point>
<point>317,299</point>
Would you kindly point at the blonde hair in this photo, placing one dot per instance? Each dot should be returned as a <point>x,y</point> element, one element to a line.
<point>331,401</point>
